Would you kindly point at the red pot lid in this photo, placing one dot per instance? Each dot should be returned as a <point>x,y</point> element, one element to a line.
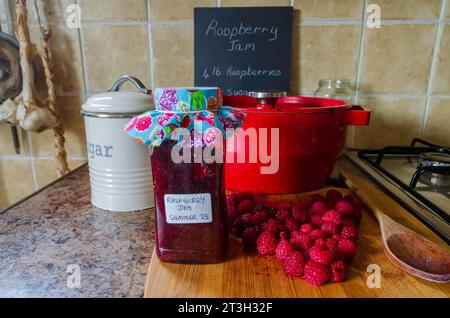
<point>290,104</point>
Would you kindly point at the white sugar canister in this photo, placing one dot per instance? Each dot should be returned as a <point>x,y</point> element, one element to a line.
<point>119,168</point>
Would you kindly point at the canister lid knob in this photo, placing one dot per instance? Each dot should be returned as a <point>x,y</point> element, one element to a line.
<point>119,104</point>
<point>135,81</point>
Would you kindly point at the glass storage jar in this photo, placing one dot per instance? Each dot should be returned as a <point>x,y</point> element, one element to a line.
<point>187,133</point>
<point>336,89</point>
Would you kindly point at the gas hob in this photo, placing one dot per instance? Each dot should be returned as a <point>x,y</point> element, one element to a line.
<point>417,176</point>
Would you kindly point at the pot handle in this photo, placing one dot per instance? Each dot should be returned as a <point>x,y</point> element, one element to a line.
<point>358,115</point>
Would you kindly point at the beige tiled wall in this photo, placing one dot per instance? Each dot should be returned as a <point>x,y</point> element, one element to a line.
<point>401,70</point>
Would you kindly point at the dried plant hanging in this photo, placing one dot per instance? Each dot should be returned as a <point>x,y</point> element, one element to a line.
<point>58,129</point>
<point>26,110</point>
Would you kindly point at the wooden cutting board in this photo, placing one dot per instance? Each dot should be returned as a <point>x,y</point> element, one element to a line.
<point>248,275</point>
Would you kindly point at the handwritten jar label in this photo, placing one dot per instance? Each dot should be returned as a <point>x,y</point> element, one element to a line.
<point>188,208</point>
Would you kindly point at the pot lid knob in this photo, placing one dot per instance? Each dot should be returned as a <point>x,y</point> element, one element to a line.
<point>263,94</point>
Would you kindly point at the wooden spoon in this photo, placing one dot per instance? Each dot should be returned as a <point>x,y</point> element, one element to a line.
<point>410,251</point>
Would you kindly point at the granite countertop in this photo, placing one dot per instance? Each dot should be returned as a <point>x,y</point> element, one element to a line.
<point>50,237</point>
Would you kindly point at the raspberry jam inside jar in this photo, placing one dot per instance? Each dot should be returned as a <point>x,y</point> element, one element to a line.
<point>187,134</point>
<point>190,211</point>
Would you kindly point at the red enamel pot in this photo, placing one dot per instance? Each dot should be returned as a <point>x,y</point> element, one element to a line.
<point>311,136</point>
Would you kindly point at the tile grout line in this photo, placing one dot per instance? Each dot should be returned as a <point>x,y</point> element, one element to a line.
<point>82,55</point>
<point>434,66</point>
<point>151,65</point>
<point>359,63</point>
<point>304,21</point>
<point>38,158</point>
<point>9,27</point>
<point>394,95</point>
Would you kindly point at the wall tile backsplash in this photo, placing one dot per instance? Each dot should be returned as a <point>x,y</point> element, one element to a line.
<point>407,49</point>
<point>401,70</point>
<point>328,51</point>
<point>329,9</point>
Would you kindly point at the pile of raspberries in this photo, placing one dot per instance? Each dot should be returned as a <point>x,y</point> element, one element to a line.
<point>314,238</point>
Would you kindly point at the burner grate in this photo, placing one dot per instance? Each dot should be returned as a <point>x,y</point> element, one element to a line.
<point>434,159</point>
<point>427,179</point>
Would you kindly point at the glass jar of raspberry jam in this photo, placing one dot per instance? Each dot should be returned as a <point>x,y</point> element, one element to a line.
<point>187,132</point>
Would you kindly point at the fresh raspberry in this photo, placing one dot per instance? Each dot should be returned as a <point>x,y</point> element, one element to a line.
<point>333,195</point>
<point>271,226</point>
<point>332,216</point>
<point>266,243</point>
<point>250,236</point>
<point>247,219</point>
<point>318,207</point>
<point>332,244</point>
<point>322,256</point>
<point>232,211</point>
<point>271,211</point>
<point>283,215</point>
<point>320,244</point>
<point>284,248</point>
<point>283,229</point>
<point>316,274</point>
<point>285,205</point>
<point>246,206</point>
<point>344,208</point>
<point>259,206</point>
<point>316,220</point>
<point>306,255</point>
<point>338,271</point>
<point>316,234</point>
<point>293,264</point>
<point>318,198</point>
<point>306,228</point>
<point>346,249</point>
<point>301,241</point>
<point>260,217</point>
<point>242,196</point>
<point>349,221</point>
<point>330,228</point>
<point>300,215</point>
<point>349,198</point>
<point>330,204</point>
<point>284,235</point>
<point>350,233</point>
<point>337,237</point>
<point>237,227</point>
<point>303,205</point>
<point>291,224</point>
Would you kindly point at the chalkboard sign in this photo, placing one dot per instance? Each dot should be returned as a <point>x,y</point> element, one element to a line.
<point>243,49</point>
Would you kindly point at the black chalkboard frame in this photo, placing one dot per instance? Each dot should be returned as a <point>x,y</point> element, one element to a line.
<point>219,62</point>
